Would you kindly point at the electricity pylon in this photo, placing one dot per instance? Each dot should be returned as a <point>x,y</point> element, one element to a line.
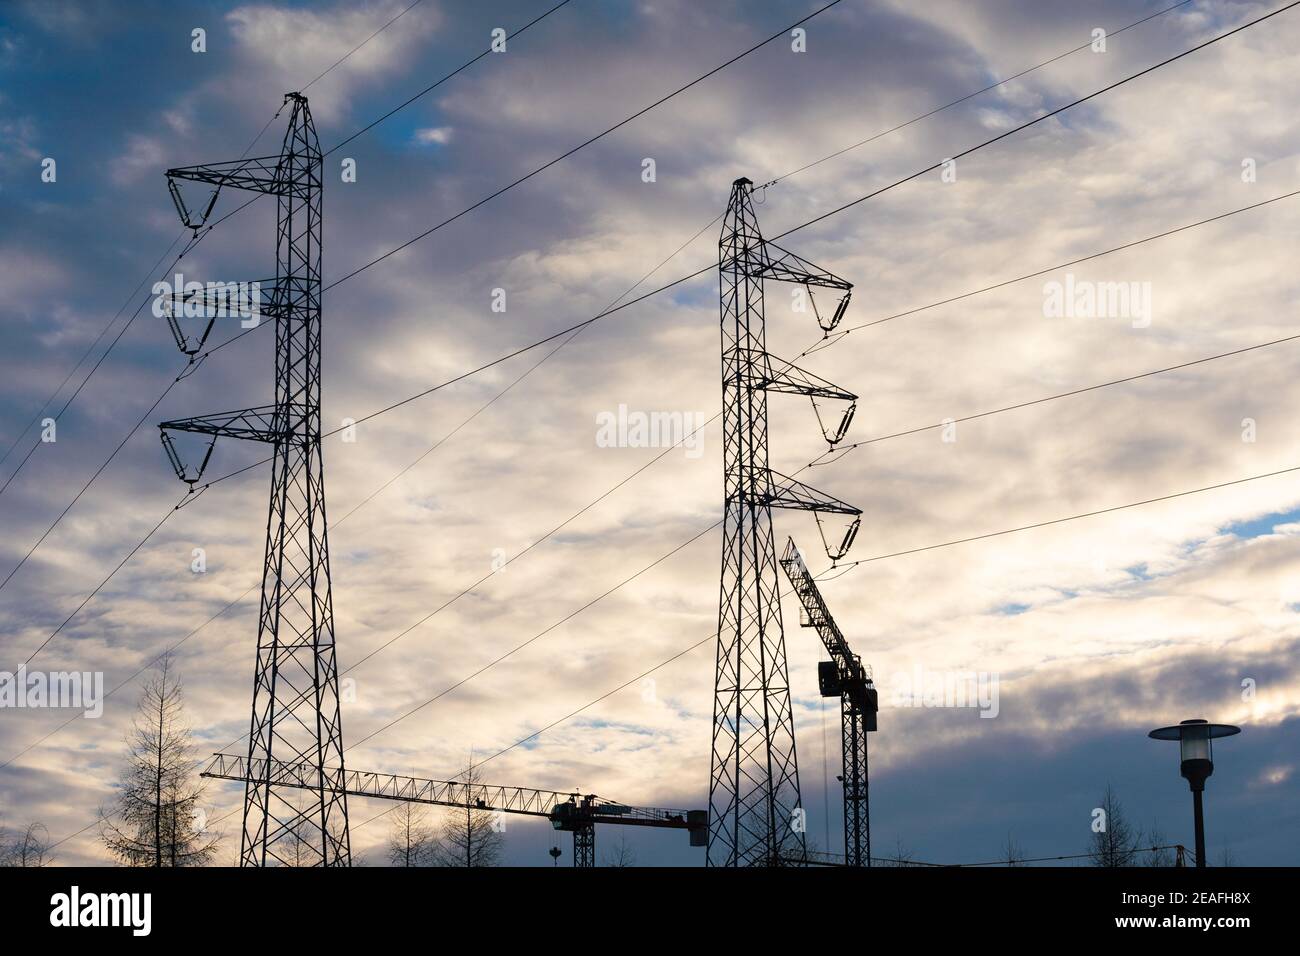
<point>755,812</point>
<point>295,717</point>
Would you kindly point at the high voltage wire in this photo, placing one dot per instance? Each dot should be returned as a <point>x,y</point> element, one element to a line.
<point>700,272</point>
<point>428,232</point>
<point>838,452</point>
<point>822,216</point>
<point>194,240</point>
<point>822,459</point>
<point>1024,126</point>
<point>967,153</point>
<point>199,235</point>
<point>355,508</point>
<point>1063,265</point>
<point>969,96</point>
<point>825,575</point>
<point>822,576</point>
<point>321,75</point>
<point>815,462</point>
<point>522,179</point>
<point>104,331</point>
<point>711,637</point>
<point>813,348</point>
<point>849,565</point>
<point>781,235</point>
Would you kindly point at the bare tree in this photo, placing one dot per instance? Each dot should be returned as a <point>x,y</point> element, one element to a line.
<point>902,855</point>
<point>411,840</point>
<point>1012,854</point>
<point>294,849</point>
<point>469,837</point>
<point>1114,840</point>
<point>623,856</point>
<point>157,817</point>
<point>1156,852</point>
<point>32,848</point>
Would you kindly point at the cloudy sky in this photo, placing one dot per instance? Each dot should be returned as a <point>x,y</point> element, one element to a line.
<point>1096,630</point>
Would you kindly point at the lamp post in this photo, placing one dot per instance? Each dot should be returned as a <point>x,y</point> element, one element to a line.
<point>1194,738</point>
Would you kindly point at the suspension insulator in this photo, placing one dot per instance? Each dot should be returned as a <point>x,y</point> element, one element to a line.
<point>178,465</point>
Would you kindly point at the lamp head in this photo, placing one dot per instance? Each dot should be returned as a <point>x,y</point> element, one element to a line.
<point>1195,751</point>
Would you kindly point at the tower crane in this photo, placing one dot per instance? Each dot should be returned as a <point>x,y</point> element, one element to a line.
<point>574,812</point>
<point>843,676</point>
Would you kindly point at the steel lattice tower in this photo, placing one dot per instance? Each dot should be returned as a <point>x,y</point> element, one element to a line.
<point>295,716</point>
<point>755,815</point>
<point>843,676</point>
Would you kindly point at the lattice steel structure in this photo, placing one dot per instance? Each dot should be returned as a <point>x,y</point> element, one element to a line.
<point>295,715</point>
<point>755,813</point>
<point>843,676</point>
<point>575,812</point>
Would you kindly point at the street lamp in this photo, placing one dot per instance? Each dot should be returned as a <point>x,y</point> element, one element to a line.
<point>1194,738</point>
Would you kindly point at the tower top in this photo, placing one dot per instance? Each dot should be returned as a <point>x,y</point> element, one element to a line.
<point>743,181</point>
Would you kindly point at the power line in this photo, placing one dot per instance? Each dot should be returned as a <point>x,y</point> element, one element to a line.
<point>1024,126</point>
<point>1064,265</point>
<point>833,212</point>
<point>839,452</point>
<point>538,635</point>
<point>104,331</point>
<point>819,218</point>
<point>700,643</point>
<point>565,155</point>
<point>199,235</point>
<point>969,96</point>
<point>844,568</point>
<point>330,68</point>
<point>77,497</point>
<point>362,503</point>
<point>193,241</point>
<point>429,89</point>
<point>452,219</point>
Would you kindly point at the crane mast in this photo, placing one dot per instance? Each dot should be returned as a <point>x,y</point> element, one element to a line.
<point>843,676</point>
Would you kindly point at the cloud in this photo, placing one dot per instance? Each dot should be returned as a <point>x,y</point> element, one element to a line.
<point>441,135</point>
<point>1125,621</point>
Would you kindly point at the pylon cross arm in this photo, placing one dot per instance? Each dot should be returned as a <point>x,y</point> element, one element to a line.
<point>255,424</point>
<point>787,492</point>
<point>262,174</point>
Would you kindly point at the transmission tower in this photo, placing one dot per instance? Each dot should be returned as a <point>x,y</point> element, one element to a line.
<point>755,813</point>
<point>295,716</point>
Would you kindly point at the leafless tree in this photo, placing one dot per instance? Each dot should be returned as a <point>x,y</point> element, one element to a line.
<point>622,856</point>
<point>1114,840</point>
<point>470,836</point>
<point>157,820</point>
<point>1157,854</point>
<point>1012,853</point>
<point>295,849</point>
<point>411,839</point>
<point>31,848</point>
<point>902,855</point>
